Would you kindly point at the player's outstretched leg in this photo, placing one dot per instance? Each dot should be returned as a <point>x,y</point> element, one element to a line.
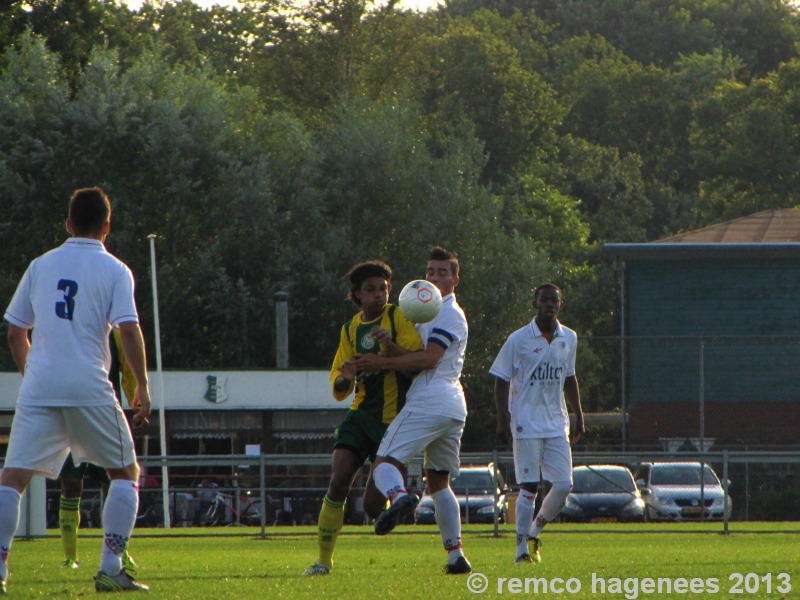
<point>390,482</point>
<point>398,512</point>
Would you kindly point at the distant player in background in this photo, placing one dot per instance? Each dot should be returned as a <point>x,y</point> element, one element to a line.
<point>377,327</point>
<point>534,373</point>
<point>72,475</point>
<point>432,421</point>
<point>72,297</point>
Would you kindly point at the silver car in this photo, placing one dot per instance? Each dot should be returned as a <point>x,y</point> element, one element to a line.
<point>677,492</point>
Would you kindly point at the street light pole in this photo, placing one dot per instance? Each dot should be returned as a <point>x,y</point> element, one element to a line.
<point>161,408</point>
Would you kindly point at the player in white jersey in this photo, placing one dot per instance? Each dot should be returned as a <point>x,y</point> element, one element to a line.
<point>71,297</point>
<point>432,421</point>
<point>535,371</point>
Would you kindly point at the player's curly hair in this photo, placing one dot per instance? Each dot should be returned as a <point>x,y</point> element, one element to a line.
<point>362,271</point>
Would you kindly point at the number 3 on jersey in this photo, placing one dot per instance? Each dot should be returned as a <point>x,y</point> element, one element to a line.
<point>65,309</point>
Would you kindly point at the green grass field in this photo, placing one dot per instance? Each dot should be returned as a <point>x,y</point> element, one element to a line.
<point>237,563</point>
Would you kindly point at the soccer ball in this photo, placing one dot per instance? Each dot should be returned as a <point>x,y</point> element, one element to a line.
<point>420,301</point>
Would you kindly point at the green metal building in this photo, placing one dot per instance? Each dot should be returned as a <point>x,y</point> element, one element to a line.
<point>711,327</point>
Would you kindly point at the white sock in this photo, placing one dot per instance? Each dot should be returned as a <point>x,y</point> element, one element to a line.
<point>524,519</point>
<point>389,481</point>
<point>551,505</point>
<point>448,517</point>
<point>119,517</point>
<point>9,521</point>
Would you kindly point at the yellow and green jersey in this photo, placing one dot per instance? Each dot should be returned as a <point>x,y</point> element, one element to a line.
<point>381,394</point>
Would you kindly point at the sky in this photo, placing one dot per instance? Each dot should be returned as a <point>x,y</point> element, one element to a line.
<point>405,4</point>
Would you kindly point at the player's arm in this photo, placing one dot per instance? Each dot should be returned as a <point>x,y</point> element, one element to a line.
<point>19,344</point>
<point>573,396</point>
<point>384,338</point>
<point>409,342</point>
<point>130,335</point>
<point>410,361</point>
<point>344,381</point>
<point>503,428</point>
<point>127,380</point>
<point>343,373</point>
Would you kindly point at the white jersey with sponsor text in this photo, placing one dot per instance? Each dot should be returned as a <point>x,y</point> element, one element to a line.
<point>438,391</point>
<point>71,297</point>
<point>536,371</point>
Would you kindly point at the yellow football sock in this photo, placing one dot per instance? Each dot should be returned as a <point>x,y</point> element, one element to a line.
<point>69,519</point>
<point>331,518</point>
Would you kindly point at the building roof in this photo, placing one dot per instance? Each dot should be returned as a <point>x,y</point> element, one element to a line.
<point>776,226</point>
<point>771,233</point>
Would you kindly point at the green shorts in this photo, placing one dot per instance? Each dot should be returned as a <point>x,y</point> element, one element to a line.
<point>360,433</point>
<point>93,472</point>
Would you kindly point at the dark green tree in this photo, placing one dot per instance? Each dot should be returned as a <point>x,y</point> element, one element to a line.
<point>746,141</point>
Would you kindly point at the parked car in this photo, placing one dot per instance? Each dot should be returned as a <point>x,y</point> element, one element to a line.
<point>603,493</point>
<point>477,497</point>
<point>673,492</point>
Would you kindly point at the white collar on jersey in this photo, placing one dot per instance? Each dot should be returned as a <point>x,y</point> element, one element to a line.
<point>558,332</point>
<point>86,242</point>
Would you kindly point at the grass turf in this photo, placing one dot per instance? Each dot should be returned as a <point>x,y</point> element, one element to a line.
<point>212,563</point>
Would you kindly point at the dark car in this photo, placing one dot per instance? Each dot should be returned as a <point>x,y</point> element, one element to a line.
<point>478,497</point>
<point>603,493</point>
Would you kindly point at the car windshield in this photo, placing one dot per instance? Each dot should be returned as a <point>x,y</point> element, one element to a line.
<point>603,481</point>
<point>474,482</point>
<point>682,475</point>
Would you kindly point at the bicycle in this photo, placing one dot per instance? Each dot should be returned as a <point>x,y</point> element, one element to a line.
<point>223,512</point>
<point>153,515</point>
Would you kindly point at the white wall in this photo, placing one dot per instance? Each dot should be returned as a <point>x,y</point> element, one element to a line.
<point>244,389</point>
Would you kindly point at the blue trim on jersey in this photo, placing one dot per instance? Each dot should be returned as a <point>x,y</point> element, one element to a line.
<point>440,342</point>
<point>446,334</point>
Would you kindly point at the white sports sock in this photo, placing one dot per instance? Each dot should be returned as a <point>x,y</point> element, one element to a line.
<point>9,521</point>
<point>389,481</point>
<point>524,519</point>
<point>551,505</point>
<point>119,517</point>
<point>448,517</point>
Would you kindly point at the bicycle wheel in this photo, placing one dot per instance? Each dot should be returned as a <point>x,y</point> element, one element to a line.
<point>154,517</point>
<point>212,516</point>
<point>251,515</point>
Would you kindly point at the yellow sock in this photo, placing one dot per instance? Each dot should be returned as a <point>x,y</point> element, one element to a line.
<point>331,518</point>
<point>69,519</point>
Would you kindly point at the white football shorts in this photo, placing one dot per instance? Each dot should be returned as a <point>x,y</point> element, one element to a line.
<point>413,433</point>
<point>552,455</point>
<point>42,436</point>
